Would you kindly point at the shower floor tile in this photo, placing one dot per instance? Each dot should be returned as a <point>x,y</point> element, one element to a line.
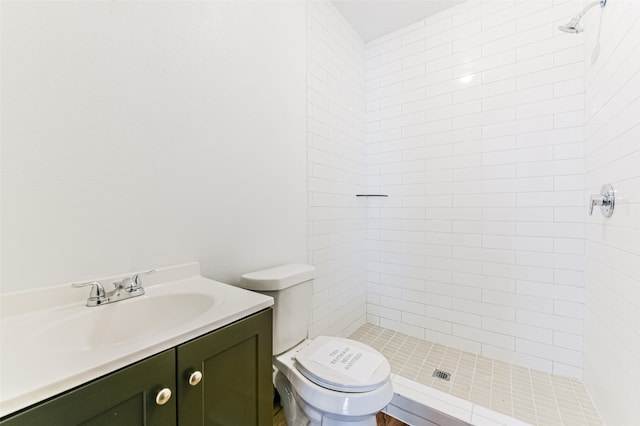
<point>521,393</point>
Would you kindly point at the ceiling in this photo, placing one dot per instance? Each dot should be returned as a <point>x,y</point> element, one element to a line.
<point>374,18</point>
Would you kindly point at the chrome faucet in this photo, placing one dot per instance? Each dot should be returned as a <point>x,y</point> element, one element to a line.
<point>127,288</point>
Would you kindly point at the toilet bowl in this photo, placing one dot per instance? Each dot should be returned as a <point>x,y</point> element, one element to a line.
<point>327,381</point>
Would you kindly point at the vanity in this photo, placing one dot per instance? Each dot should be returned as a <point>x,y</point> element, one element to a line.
<point>189,351</point>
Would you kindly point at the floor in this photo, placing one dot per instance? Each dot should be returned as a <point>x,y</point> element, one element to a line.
<point>383,419</point>
<point>527,395</point>
<point>278,415</point>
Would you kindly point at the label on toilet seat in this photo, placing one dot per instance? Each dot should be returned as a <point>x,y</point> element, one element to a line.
<point>347,359</point>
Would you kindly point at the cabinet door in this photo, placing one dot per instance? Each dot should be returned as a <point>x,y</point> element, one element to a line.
<point>235,363</point>
<point>125,397</point>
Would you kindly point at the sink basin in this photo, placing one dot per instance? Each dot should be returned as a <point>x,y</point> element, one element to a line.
<point>118,323</point>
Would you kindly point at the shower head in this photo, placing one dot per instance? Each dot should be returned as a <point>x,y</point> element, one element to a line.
<point>573,26</point>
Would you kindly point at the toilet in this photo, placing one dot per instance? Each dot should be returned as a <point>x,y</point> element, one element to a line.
<point>326,381</point>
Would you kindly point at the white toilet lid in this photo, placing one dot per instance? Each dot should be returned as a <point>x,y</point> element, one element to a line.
<point>343,364</point>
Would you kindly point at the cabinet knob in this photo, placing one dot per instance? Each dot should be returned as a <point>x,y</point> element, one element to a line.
<point>195,378</point>
<point>163,396</point>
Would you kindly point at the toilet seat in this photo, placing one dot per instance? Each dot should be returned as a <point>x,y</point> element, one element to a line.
<point>318,401</point>
<point>342,365</point>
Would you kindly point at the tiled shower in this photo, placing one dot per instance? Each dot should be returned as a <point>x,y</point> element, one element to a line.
<point>488,129</point>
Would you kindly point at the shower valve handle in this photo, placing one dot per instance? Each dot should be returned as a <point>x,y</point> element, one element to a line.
<point>597,200</point>
<point>606,200</point>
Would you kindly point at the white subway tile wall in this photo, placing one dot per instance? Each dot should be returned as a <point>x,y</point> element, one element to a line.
<point>336,145</point>
<point>474,128</point>
<point>612,151</point>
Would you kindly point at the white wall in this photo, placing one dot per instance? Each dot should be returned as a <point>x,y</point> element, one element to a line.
<point>475,130</point>
<point>336,137</point>
<point>612,147</point>
<point>145,134</point>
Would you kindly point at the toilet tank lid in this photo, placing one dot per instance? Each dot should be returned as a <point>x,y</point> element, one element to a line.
<point>278,278</point>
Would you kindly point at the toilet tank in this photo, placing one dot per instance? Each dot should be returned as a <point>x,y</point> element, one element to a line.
<point>291,287</point>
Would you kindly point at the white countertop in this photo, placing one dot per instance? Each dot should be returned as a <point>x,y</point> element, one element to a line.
<point>38,359</point>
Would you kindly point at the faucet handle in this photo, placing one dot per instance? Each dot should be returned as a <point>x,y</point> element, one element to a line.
<point>596,200</point>
<point>137,280</point>
<point>132,283</point>
<point>606,200</point>
<point>97,290</point>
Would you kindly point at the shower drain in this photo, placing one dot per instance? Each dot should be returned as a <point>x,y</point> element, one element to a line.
<point>440,374</point>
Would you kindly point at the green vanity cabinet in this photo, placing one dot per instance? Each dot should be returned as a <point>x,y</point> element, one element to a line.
<point>234,388</point>
<point>125,397</point>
